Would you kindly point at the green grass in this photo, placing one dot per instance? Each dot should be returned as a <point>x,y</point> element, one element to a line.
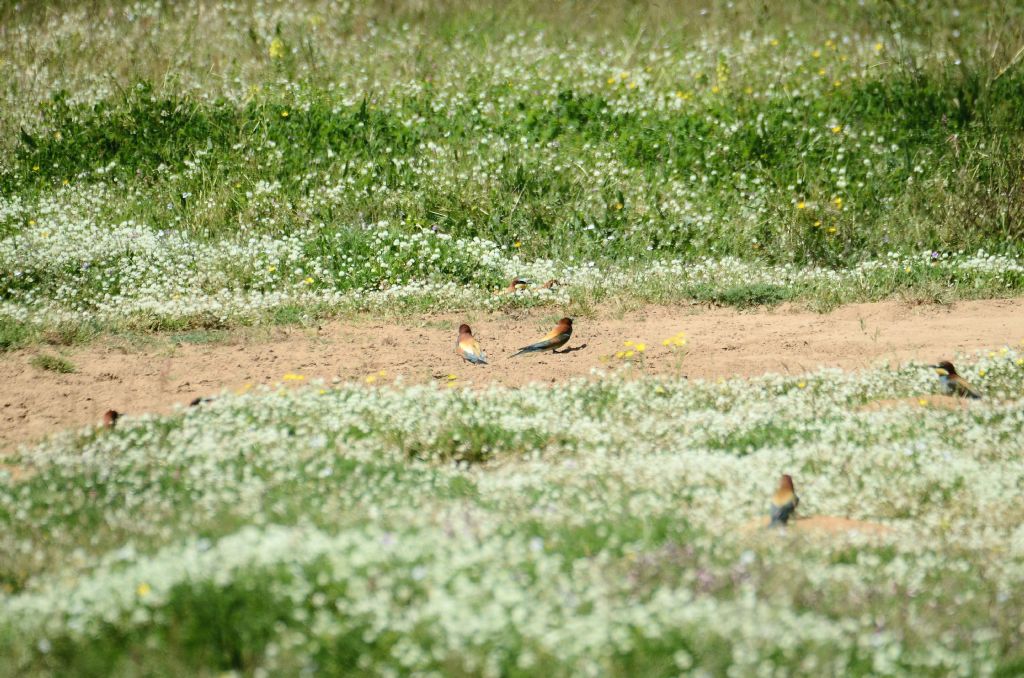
<point>53,363</point>
<point>967,198</point>
<point>452,157</point>
<point>13,334</point>
<point>334,170</point>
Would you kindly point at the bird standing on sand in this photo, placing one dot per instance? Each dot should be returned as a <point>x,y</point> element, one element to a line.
<point>468,347</point>
<point>110,418</point>
<point>954,384</point>
<point>556,339</point>
<point>784,502</point>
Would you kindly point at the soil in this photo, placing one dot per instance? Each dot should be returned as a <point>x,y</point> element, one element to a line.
<point>154,374</point>
<point>829,525</point>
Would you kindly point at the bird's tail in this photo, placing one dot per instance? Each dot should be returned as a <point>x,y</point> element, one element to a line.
<point>533,348</point>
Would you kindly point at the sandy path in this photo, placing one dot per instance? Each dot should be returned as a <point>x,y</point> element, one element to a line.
<point>155,376</point>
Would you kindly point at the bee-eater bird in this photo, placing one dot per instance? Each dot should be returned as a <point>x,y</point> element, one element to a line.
<point>784,502</point>
<point>517,284</point>
<point>110,418</point>
<point>556,338</point>
<point>955,384</point>
<point>468,347</point>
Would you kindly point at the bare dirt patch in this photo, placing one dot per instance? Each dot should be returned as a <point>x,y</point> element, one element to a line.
<point>156,375</point>
<point>827,525</point>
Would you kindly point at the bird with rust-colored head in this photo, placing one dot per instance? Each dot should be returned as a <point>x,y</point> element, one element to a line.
<point>954,384</point>
<point>784,502</point>
<point>468,347</point>
<point>110,418</point>
<point>555,339</point>
<point>516,285</point>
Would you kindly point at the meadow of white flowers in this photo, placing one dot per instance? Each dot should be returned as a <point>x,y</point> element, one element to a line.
<point>597,527</point>
<point>214,163</point>
<point>68,264</point>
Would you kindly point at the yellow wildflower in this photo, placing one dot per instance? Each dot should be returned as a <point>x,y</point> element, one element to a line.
<point>143,590</point>
<point>276,50</point>
<point>800,205</point>
<point>293,377</point>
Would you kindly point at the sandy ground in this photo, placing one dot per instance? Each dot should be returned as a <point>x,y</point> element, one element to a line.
<point>828,525</point>
<point>155,374</point>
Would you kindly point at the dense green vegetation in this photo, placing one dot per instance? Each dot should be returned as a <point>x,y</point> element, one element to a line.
<point>165,163</point>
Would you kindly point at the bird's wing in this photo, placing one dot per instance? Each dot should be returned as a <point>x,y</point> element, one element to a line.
<point>556,334</point>
<point>965,389</point>
<point>554,339</point>
<point>781,514</point>
<point>783,505</point>
<point>470,348</point>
